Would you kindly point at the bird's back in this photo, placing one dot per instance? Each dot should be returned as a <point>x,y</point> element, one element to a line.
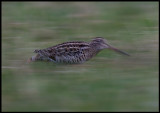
<point>68,52</point>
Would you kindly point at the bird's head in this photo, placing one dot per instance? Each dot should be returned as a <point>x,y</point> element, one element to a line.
<point>101,43</point>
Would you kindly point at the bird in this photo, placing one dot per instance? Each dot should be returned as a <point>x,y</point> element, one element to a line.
<point>73,52</point>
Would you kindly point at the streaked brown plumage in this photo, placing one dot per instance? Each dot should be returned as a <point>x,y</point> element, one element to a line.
<point>73,52</point>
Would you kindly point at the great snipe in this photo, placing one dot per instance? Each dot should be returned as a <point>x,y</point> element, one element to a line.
<point>73,52</point>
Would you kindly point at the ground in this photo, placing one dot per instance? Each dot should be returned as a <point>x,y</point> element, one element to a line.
<point>108,82</point>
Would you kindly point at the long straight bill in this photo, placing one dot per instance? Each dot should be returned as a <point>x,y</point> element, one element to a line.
<point>119,51</point>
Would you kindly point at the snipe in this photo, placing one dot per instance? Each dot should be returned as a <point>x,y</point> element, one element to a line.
<point>73,52</point>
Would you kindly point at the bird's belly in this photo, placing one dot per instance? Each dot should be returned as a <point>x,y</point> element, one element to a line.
<point>71,59</point>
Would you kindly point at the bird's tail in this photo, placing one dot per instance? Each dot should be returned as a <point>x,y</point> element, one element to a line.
<point>37,51</point>
<point>32,59</point>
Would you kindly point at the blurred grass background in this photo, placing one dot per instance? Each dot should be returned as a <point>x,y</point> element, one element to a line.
<point>108,82</point>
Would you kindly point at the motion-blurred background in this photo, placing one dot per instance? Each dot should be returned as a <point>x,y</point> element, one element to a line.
<point>108,82</point>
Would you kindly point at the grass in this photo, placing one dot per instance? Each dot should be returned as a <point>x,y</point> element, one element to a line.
<point>108,82</point>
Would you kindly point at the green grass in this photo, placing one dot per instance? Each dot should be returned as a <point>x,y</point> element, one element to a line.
<point>108,82</point>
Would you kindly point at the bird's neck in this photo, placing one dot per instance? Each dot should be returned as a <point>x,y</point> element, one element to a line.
<point>94,49</point>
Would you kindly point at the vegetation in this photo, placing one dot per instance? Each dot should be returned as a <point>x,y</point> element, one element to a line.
<point>108,82</point>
